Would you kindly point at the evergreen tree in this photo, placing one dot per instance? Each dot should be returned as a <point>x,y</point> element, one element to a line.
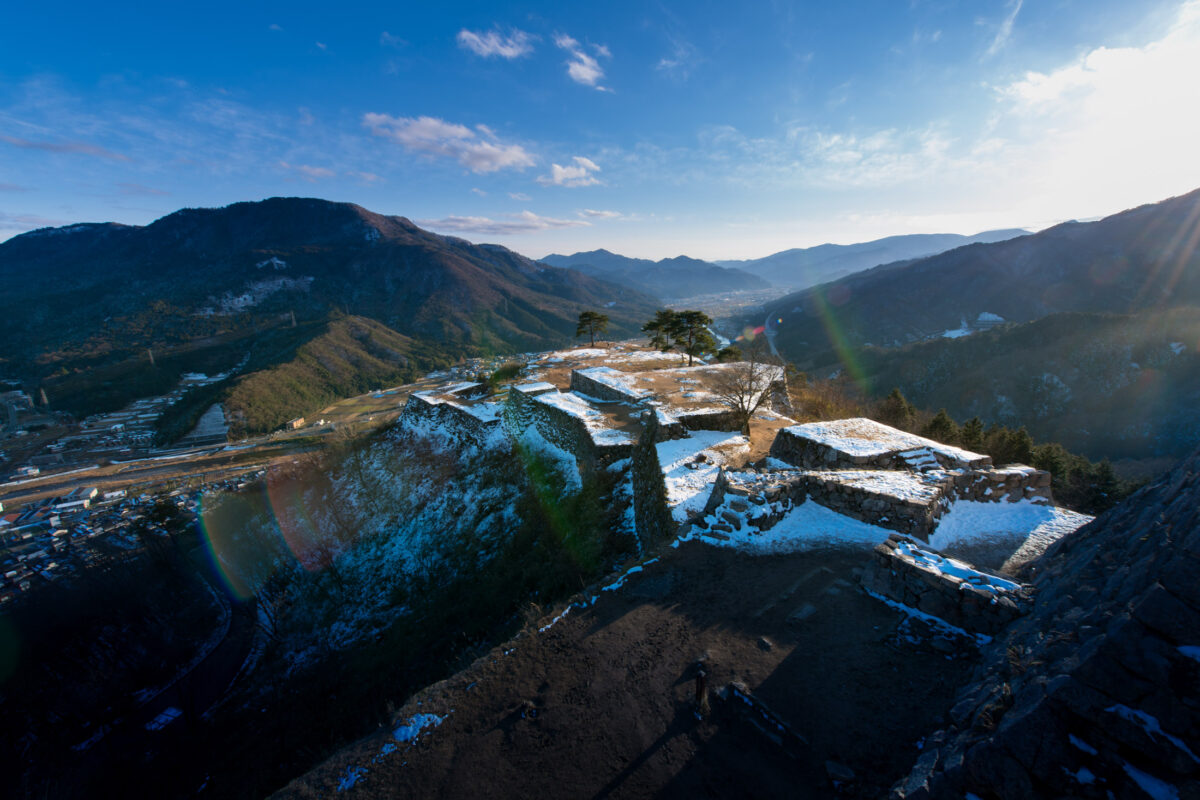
<point>896,411</point>
<point>730,353</point>
<point>591,323</point>
<point>660,329</point>
<point>941,428</point>
<point>1022,446</point>
<point>970,435</point>
<point>689,332</point>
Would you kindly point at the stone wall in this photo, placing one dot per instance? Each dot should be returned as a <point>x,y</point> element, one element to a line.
<point>651,515</point>
<point>709,420</point>
<point>1011,483</point>
<point>585,384</point>
<point>523,411</point>
<point>1094,693</point>
<point>962,603</point>
<point>421,410</point>
<point>908,516</point>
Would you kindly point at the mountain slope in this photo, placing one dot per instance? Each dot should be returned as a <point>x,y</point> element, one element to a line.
<point>668,278</point>
<point>1106,385</point>
<point>807,266</point>
<point>86,296</point>
<point>1140,259</point>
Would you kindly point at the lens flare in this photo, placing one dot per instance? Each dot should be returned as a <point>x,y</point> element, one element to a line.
<point>837,338</point>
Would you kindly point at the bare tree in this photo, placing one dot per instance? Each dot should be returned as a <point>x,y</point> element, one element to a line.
<point>744,386</point>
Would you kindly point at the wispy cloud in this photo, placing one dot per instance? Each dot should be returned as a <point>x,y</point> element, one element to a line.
<point>487,44</point>
<point>1004,32</point>
<point>27,222</point>
<point>437,137</point>
<point>321,46</point>
<point>81,148</point>
<point>391,40</point>
<point>12,187</point>
<point>525,222</point>
<point>274,26</point>
<point>581,67</point>
<point>592,213</point>
<point>365,177</point>
<point>138,189</point>
<point>307,171</point>
<point>475,190</point>
<point>580,174</point>
<point>519,196</point>
<point>683,59</point>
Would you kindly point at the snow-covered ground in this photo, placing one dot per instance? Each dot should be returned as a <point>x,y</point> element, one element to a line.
<point>688,488</point>
<point>1002,535</point>
<point>806,526</point>
<point>867,438</point>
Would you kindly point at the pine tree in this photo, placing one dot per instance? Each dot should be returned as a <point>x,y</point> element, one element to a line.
<point>941,428</point>
<point>689,332</point>
<point>660,328</point>
<point>896,411</point>
<point>591,323</point>
<point>970,435</point>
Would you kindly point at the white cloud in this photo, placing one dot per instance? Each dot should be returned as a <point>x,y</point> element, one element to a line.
<point>581,67</point>
<point>1114,122</point>
<point>390,40</point>
<point>365,177</point>
<point>322,46</point>
<point>307,171</point>
<point>684,58</point>
<point>436,137</point>
<point>519,196</point>
<point>492,43</point>
<point>274,26</point>
<point>592,213</point>
<point>581,174</point>
<point>1005,29</point>
<point>525,222</point>
<point>477,191</point>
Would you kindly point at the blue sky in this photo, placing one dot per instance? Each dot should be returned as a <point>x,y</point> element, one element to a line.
<point>651,129</point>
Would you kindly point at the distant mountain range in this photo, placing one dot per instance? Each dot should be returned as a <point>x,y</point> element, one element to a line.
<point>802,267</point>
<point>668,279</point>
<point>199,285</point>
<point>1053,356</point>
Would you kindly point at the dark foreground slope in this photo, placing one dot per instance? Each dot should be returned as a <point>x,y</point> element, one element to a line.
<point>601,702</point>
<point>1097,692</point>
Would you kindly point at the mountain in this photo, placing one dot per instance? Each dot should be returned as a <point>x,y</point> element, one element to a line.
<point>1140,259</point>
<point>86,297</point>
<point>1106,385</point>
<point>808,266</point>
<point>1052,374</point>
<point>669,278</point>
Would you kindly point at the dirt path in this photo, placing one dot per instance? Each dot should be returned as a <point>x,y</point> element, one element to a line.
<point>601,704</point>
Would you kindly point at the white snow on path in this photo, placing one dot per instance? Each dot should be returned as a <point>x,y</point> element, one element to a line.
<point>807,526</point>
<point>688,489</point>
<point>967,522</point>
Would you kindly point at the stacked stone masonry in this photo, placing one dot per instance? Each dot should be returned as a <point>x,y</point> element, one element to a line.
<point>968,603</point>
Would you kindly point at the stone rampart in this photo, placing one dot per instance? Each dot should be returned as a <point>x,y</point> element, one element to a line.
<point>422,411</point>
<point>561,428</point>
<point>606,383</point>
<point>916,577</point>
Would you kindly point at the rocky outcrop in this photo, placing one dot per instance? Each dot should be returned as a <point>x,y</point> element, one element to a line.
<point>1096,693</point>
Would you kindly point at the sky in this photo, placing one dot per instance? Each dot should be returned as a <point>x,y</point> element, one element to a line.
<point>652,129</point>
